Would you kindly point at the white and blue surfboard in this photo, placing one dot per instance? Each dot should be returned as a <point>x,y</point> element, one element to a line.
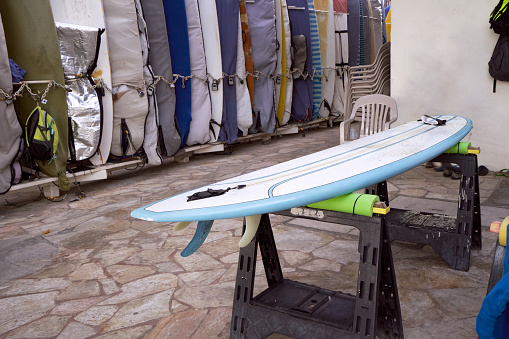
<point>323,175</point>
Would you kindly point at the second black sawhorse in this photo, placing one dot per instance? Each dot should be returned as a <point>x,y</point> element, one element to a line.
<point>299,310</point>
<point>303,311</point>
<point>451,237</point>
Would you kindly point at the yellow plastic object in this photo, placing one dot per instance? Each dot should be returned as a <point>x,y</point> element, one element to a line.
<point>356,203</point>
<point>474,150</point>
<point>381,210</point>
<point>502,234</point>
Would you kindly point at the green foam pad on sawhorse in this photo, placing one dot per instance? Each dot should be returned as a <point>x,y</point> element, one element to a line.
<point>459,148</point>
<point>356,203</point>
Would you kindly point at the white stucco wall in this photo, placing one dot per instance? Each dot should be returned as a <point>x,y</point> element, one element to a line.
<point>439,64</point>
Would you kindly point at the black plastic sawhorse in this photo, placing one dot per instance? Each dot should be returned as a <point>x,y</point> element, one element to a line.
<point>299,310</point>
<point>452,238</point>
<point>303,311</point>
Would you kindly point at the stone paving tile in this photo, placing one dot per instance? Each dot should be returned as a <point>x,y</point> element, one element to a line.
<point>423,278</point>
<point>231,273</point>
<point>114,255</point>
<point>142,287</point>
<point>17,256</point>
<point>108,275</point>
<point>291,238</point>
<point>294,258</point>
<point>79,289</point>
<point>85,240</point>
<point>96,315</point>
<point>201,278</point>
<point>29,286</point>
<point>42,328</point>
<point>222,247</point>
<point>17,311</point>
<point>76,330</point>
<point>11,231</point>
<point>60,269</point>
<point>213,323</point>
<point>340,251</point>
<point>129,233</point>
<point>168,267</point>
<point>325,226</point>
<point>320,264</point>
<point>126,273</point>
<point>418,308</point>
<point>76,306</point>
<point>127,333</point>
<point>217,295</point>
<point>109,286</point>
<point>178,326</point>
<point>141,310</point>
<point>89,271</point>
<point>456,303</point>
<point>199,261</point>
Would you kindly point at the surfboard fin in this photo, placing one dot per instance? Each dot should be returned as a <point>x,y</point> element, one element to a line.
<point>181,225</point>
<point>252,223</point>
<point>202,231</point>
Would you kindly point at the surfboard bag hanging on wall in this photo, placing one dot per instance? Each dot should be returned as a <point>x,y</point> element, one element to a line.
<point>35,47</point>
<point>302,101</point>
<point>10,129</point>
<point>160,61</point>
<point>130,99</point>
<point>262,18</point>
<point>151,142</point>
<point>499,62</point>
<point>79,49</point>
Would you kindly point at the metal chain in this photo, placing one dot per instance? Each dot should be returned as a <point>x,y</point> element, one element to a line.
<point>206,80</point>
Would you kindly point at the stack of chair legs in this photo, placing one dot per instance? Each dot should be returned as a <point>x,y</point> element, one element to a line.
<point>369,79</point>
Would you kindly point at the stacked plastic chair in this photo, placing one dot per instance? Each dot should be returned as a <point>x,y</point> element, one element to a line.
<point>369,79</point>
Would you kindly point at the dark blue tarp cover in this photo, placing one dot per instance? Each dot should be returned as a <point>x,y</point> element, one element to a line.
<point>228,18</point>
<point>302,103</point>
<point>176,26</point>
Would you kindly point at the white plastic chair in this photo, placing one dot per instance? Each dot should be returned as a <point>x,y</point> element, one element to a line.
<point>370,114</point>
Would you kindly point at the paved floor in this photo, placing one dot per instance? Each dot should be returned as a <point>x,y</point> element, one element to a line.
<point>85,268</point>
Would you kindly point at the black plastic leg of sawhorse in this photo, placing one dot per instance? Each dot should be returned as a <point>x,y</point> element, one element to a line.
<point>451,238</point>
<point>468,219</point>
<point>299,310</point>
